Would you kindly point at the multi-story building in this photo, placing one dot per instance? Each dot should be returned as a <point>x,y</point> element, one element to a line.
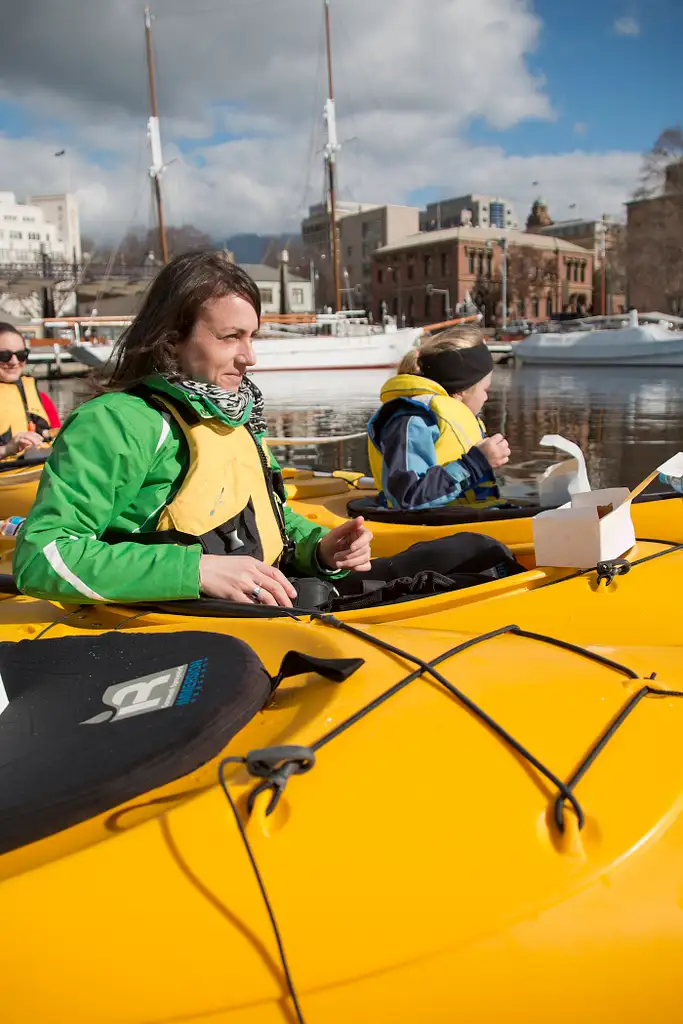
<point>474,211</point>
<point>426,277</point>
<point>27,233</point>
<point>317,242</point>
<point>360,234</point>
<point>654,254</point>
<point>62,212</point>
<point>39,248</point>
<point>315,228</point>
<point>588,234</point>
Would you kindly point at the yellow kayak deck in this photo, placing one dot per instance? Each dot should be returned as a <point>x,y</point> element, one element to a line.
<point>417,871</point>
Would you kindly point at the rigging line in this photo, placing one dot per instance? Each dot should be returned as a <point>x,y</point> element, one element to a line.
<point>115,252</point>
<point>58,621</point>
<point>428,668</point>
<point>316,126</point>
<point>261,884</point>
<point>602,742</point>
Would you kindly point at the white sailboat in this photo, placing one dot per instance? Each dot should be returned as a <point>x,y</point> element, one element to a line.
<point>630,340</point>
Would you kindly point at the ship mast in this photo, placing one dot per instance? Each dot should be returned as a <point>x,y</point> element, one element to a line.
<point>157,165</point>
<point>331,150</point>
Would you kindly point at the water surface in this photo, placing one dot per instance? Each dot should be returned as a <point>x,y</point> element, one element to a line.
<point>626,421</point>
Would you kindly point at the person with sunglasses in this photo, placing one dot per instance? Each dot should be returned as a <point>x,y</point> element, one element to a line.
<point>27,416</point>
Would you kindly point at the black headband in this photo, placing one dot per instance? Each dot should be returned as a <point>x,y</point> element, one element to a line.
<point>458,368</point>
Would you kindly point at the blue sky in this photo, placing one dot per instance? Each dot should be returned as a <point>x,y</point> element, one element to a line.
<point>623,89</point>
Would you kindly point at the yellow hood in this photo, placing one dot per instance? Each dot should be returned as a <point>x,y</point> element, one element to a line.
<point>408,385</point>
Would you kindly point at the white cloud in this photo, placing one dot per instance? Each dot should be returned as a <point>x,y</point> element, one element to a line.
<point>627,26</point>
<point>407,88</point>
<point>580,127</point>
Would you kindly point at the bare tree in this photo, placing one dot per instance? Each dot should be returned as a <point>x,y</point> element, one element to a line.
<point>531,272</point>
<point>486,296</point>
<point>667,151</point>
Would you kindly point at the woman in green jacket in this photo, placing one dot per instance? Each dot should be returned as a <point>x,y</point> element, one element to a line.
<point>154,481</point>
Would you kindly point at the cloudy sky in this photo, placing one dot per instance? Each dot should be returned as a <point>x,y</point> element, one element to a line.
<point>435,98</point>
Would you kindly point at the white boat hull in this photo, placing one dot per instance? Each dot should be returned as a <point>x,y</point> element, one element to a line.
<point>628,346</point>
<point>320,352</point>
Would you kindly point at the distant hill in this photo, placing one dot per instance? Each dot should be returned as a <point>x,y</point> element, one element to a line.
<point>253,248</point>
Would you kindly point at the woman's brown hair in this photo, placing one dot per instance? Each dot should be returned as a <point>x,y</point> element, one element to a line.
<point>170,311</point>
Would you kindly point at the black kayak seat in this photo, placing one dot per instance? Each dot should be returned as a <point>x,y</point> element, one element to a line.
<point>88,723</point>
<point>456,515</point>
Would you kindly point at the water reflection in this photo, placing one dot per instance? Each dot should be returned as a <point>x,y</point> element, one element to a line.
<point>626,421</point>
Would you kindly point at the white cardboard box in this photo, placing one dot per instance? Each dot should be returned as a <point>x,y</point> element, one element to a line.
<point>574,536</point>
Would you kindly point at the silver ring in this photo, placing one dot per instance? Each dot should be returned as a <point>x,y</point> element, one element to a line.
<point>255,592</point>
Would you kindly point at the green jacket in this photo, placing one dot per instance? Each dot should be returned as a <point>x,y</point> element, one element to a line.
<point>115,464</point>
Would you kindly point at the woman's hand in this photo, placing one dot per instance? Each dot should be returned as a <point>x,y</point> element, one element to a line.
<point>346,547</point>
<point>21,441</point>
<point>244,579</point>
<point>496,449</point>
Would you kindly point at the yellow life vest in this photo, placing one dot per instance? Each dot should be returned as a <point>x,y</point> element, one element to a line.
<point>21,408</point>
<point>225,482</point>
<point>459,430</point>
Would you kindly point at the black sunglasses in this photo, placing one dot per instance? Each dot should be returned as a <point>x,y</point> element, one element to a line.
<point>6,355</point>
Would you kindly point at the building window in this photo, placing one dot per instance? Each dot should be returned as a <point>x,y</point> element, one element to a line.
<point>569,270</point>
<point>266,295</point>
<point>535,308</point>
<point>549,306</point>
<point>489,264</point>
<point>411,271</point>
<point>297,296</point>
<point>470,260</point>
<point>444,264</point>
<point>497,215</point>
<point>380,275</point>
<point>29,220</point>
<point>480,264</point>
<point>394,275</point>
<point>428,306</point>
<point>428,266</point>
<point>34,236</point>
<point>10,216</point>
<point>365,227</point>
<point>395,308</point>
<point>349,251</point>
<point>583,273</point>
<point>15,234</point>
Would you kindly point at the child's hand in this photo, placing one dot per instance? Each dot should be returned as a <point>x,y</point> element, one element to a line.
<point>496,449</point>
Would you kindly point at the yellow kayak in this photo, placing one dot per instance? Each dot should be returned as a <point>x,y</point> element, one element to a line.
<point>475,806</point>
<point>19,479</point>
<point>329,499</point>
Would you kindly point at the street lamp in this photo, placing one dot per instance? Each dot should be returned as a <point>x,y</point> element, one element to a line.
<point>602,229</point>
<point>503,243</point>
<point>431,290</point>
